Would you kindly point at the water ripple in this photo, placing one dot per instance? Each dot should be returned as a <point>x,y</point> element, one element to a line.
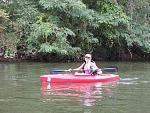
<point>128,81</point>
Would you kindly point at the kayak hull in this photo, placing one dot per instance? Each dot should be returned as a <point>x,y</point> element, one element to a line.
<point>60,78</point>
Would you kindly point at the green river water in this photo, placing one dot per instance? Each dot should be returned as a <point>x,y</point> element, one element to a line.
<point>22,92</point>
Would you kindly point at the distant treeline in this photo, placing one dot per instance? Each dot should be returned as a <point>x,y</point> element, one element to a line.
<point>54,30</point>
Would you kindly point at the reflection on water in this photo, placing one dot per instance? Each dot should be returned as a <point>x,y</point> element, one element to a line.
<point>87,93</point>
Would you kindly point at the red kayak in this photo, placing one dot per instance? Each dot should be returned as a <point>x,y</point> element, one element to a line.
<point>78,78</point>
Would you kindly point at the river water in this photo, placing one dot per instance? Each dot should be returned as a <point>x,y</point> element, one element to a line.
<point>22,92</point>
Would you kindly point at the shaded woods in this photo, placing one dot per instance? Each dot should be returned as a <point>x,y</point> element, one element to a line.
<point>55,30</point>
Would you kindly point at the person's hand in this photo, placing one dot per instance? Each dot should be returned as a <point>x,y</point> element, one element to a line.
<point>99,71</point>
<point>70,69</point>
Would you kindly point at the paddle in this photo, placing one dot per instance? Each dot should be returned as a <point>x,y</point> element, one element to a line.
<point>110,69</point>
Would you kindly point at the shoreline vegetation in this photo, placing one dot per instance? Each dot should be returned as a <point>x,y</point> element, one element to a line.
<point>40,57</point>
<point>64,30</point>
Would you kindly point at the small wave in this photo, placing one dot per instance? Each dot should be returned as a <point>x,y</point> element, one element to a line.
<point>145,82</point>
<point>129,79</point>
<point>6,100</point>
<point>128,83</point>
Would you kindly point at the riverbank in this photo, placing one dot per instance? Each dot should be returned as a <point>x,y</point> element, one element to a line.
<point>66,59</point>
<point>10,60</point>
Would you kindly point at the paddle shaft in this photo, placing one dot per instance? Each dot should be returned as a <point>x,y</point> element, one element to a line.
<point>107,69</point>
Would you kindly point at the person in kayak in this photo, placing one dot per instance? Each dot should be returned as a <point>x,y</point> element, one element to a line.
<point>89,66</point>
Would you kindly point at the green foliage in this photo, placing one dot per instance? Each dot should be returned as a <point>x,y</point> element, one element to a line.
<point>3,19</point>
<point>77,17</point>
<point>8,39</point>
<point>49,38</point>
<point>3,15</point>
<point>113,24</point>
<point>114,17</point>
<point>72,27</point>
<point>72,8</point>
<point>140,36</point>
<point>139,30</point>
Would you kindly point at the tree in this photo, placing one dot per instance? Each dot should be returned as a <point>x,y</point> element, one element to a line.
<point>73,27</point>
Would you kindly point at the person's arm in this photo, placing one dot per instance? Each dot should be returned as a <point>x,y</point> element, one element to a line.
<point>95,68</point>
